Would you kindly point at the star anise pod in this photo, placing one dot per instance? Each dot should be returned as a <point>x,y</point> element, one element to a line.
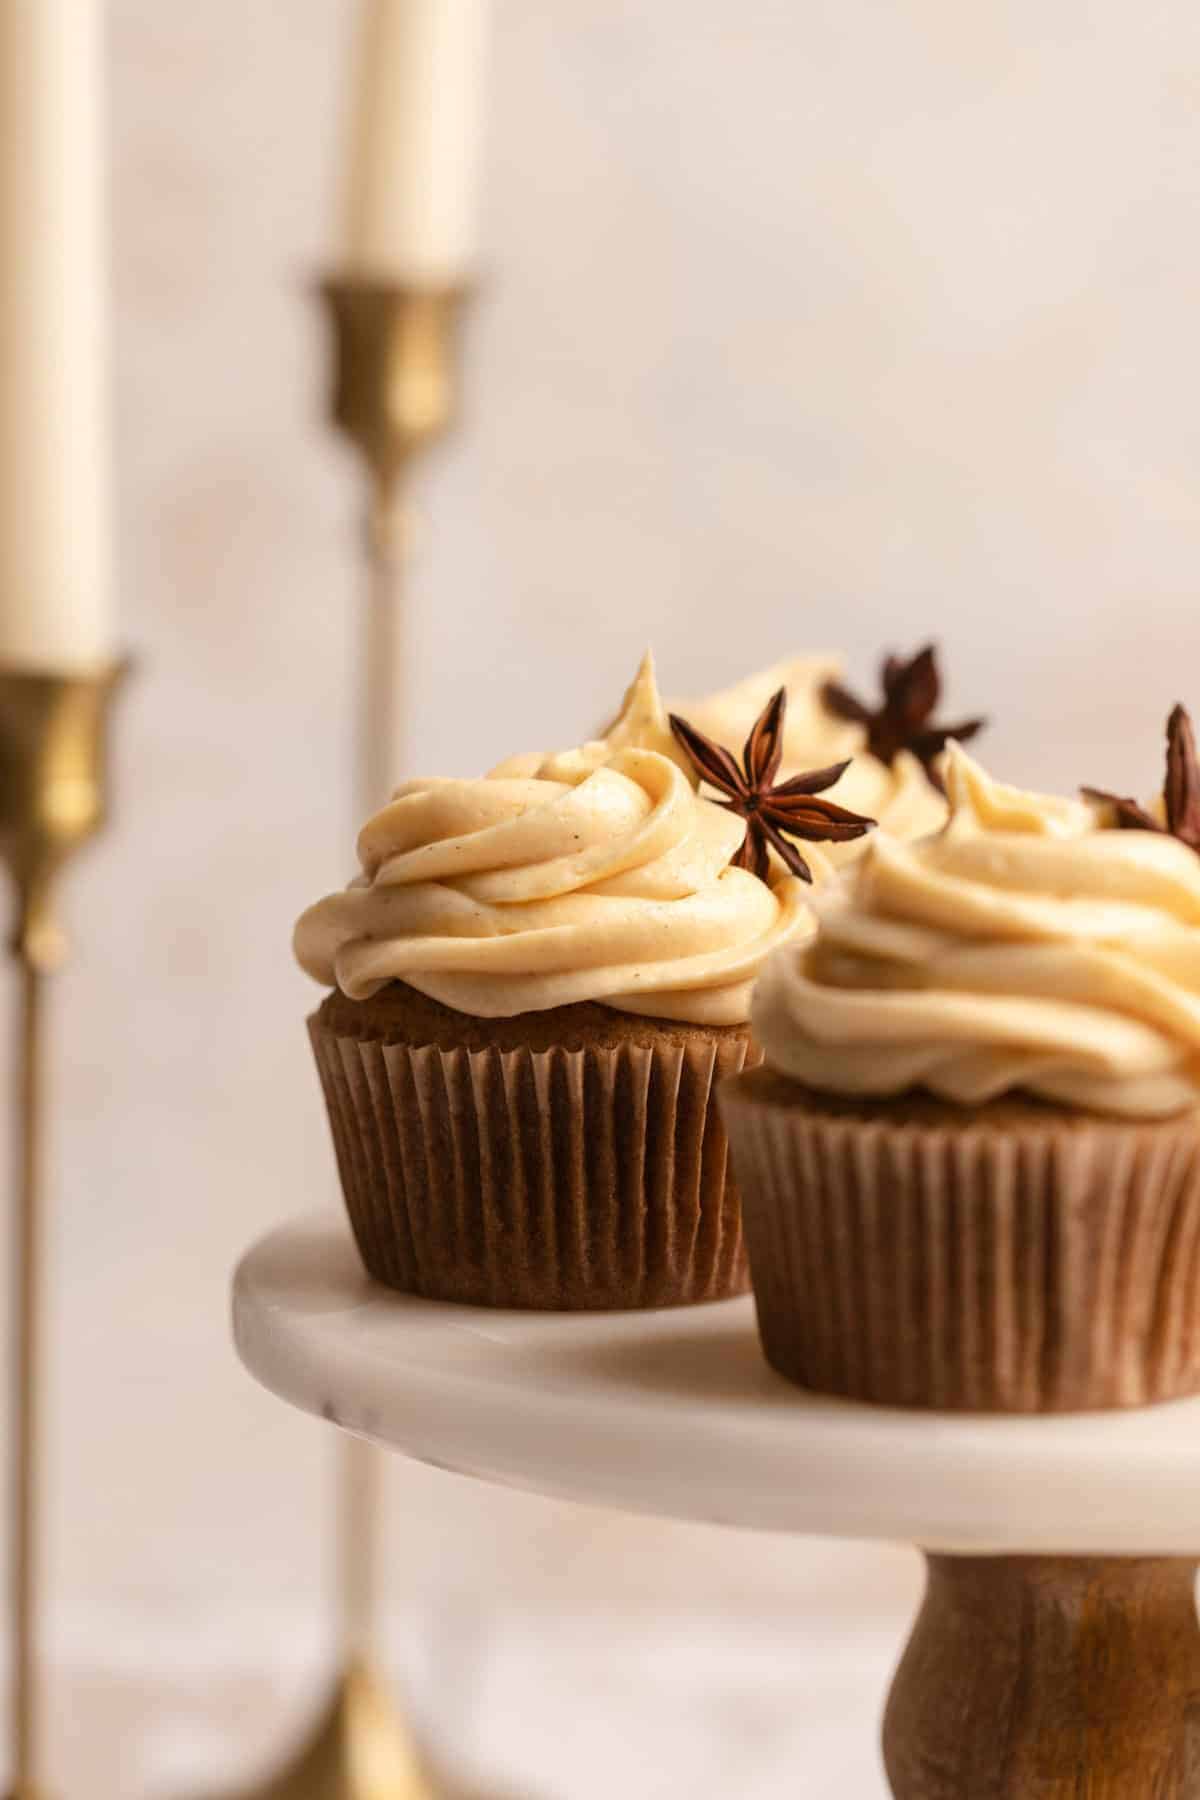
<point>772,814</point>
<point>1181,789</point>
<point>911,691</point>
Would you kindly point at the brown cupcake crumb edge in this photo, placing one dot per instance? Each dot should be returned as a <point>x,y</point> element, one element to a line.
<point>400,1014</point>
<point>766,1087</point>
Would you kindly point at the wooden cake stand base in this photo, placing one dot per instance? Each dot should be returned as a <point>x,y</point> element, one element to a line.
<point>1076,1678</point>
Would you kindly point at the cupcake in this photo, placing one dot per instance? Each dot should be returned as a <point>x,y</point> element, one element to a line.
<point>538,977</point>
<point>970,1166</point>
<point>894,744</point>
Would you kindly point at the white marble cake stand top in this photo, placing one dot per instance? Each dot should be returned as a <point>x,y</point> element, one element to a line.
<point>677,1413</point>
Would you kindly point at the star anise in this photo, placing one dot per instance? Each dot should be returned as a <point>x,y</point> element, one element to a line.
<point>1181,789</point>
<point>772,814</point>
<point>911,691</point>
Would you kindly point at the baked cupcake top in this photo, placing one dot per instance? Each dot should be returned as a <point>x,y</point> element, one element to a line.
<point>595,874</point>
<point>1028,946</point>
<point>887,778</point>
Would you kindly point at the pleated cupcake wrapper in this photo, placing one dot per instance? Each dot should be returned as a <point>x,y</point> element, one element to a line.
<point>1039,1269</point>
<point>593,1178</point>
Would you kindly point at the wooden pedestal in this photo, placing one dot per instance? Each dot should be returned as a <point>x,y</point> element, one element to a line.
<point>1049,1678</point>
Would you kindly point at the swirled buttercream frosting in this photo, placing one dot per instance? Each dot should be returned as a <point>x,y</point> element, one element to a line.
<point>899,795</point>
<point>1025,947</point>
<point>595,874</point>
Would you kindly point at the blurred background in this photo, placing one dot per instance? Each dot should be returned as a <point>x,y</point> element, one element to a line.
<point>802,326</point>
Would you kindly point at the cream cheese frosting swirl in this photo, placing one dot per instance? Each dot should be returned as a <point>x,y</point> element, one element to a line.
<point>596,874</point>
<point>1025,947</point>
<point>899,795</point>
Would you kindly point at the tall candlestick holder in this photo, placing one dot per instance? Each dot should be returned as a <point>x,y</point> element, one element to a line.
<point>394,361</point>
<point>53,798</point>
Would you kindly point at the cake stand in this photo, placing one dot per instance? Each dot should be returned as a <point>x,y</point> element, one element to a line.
<point>1057,1653</point>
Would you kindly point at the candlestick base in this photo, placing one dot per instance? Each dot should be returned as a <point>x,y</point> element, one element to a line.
<point>358,1750</point>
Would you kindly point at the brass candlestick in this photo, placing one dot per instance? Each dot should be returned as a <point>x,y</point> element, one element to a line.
<point>53,798</point>
<point>393,392</point>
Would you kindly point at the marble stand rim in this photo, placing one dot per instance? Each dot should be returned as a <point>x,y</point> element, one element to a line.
<point>675,1413</point>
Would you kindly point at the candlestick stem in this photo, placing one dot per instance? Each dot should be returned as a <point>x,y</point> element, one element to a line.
<point>357,1549</point>
<point>383,673</point>
<point>26,1376</point>
<point>360,1484</point>
<point>360,1472</point>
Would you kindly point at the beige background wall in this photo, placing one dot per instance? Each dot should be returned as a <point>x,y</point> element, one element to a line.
<point>804,324</point>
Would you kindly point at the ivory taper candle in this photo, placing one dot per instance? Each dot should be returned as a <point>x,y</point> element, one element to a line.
<point>416,122</point>
<point>56,593</point>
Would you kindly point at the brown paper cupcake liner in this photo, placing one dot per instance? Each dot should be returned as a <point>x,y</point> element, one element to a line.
<point>1046,1263</point>
<point>586,1178</point>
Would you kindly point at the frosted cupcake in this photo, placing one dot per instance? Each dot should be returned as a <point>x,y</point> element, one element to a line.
<point>538,978</point>
<point>895,744</point>
<point>971,1164</point>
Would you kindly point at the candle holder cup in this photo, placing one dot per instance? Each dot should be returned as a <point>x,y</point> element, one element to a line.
<point>394,368</point>
<point>393,393</point>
